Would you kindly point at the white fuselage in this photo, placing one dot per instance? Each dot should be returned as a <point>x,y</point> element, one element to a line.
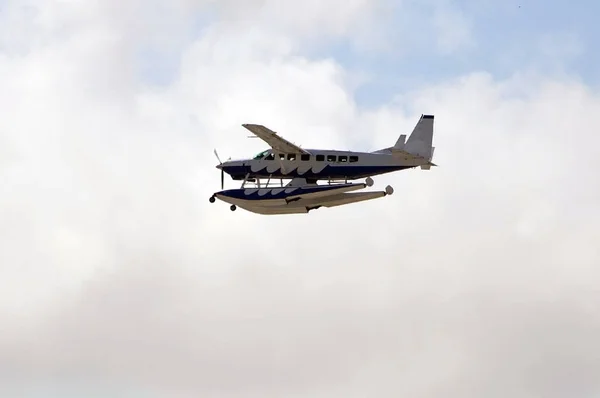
<point>321,165</point>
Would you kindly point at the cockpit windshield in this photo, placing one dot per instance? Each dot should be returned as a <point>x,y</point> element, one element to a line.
<point>261,155</point>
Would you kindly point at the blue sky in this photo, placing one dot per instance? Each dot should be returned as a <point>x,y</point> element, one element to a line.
<point>507,38</point>
<point>551,37</point>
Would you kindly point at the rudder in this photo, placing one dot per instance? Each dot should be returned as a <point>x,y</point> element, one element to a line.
<point>421,139</point>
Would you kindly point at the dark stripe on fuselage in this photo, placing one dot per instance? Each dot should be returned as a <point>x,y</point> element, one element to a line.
<point>337,172</point>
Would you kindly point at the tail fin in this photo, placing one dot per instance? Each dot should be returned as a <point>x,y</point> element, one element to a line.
<point>418,145</point>
<point>421,139</point>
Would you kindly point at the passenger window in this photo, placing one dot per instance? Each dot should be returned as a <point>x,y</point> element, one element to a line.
<point>292,156</point>
<point>305,157</point>
<point>343,159</point>
<point>270,157</point>
<point>331,158</point>
<point>320,158</point>
<point>353,159</point>
<point>282,156</point>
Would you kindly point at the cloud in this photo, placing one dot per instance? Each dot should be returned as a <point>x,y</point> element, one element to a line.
<point>309,18</point>
<point>476,278</point>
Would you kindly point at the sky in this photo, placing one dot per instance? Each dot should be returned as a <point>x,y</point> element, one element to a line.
<point>119,279</point>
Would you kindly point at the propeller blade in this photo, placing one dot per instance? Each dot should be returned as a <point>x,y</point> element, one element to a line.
<point>222,180</point>
<point>217,155</point>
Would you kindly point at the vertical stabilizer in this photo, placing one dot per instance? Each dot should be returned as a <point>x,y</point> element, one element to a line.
<point>421,139</point>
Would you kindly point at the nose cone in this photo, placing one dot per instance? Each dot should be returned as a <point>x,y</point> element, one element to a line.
<point>235,168</point>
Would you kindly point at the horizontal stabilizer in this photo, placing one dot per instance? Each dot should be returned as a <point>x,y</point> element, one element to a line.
<point>401,142</point>
<point>427,166</point>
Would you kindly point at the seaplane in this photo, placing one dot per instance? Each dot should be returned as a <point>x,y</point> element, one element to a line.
<point>305,168</point>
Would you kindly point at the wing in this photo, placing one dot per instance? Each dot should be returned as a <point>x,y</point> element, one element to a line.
<point>276,142</point>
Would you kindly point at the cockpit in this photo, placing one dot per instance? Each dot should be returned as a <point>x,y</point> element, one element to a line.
<point>261,155</point>
<point>267,155</point>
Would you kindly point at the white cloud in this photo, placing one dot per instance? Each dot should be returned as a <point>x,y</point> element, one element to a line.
<point>311,18</point>
<point>477,278</point>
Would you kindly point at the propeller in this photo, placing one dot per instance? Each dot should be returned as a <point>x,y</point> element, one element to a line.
<point>222,172</point>
<point>217,156</point>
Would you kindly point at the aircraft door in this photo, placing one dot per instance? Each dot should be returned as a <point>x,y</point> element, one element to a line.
<point>262,160</point>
